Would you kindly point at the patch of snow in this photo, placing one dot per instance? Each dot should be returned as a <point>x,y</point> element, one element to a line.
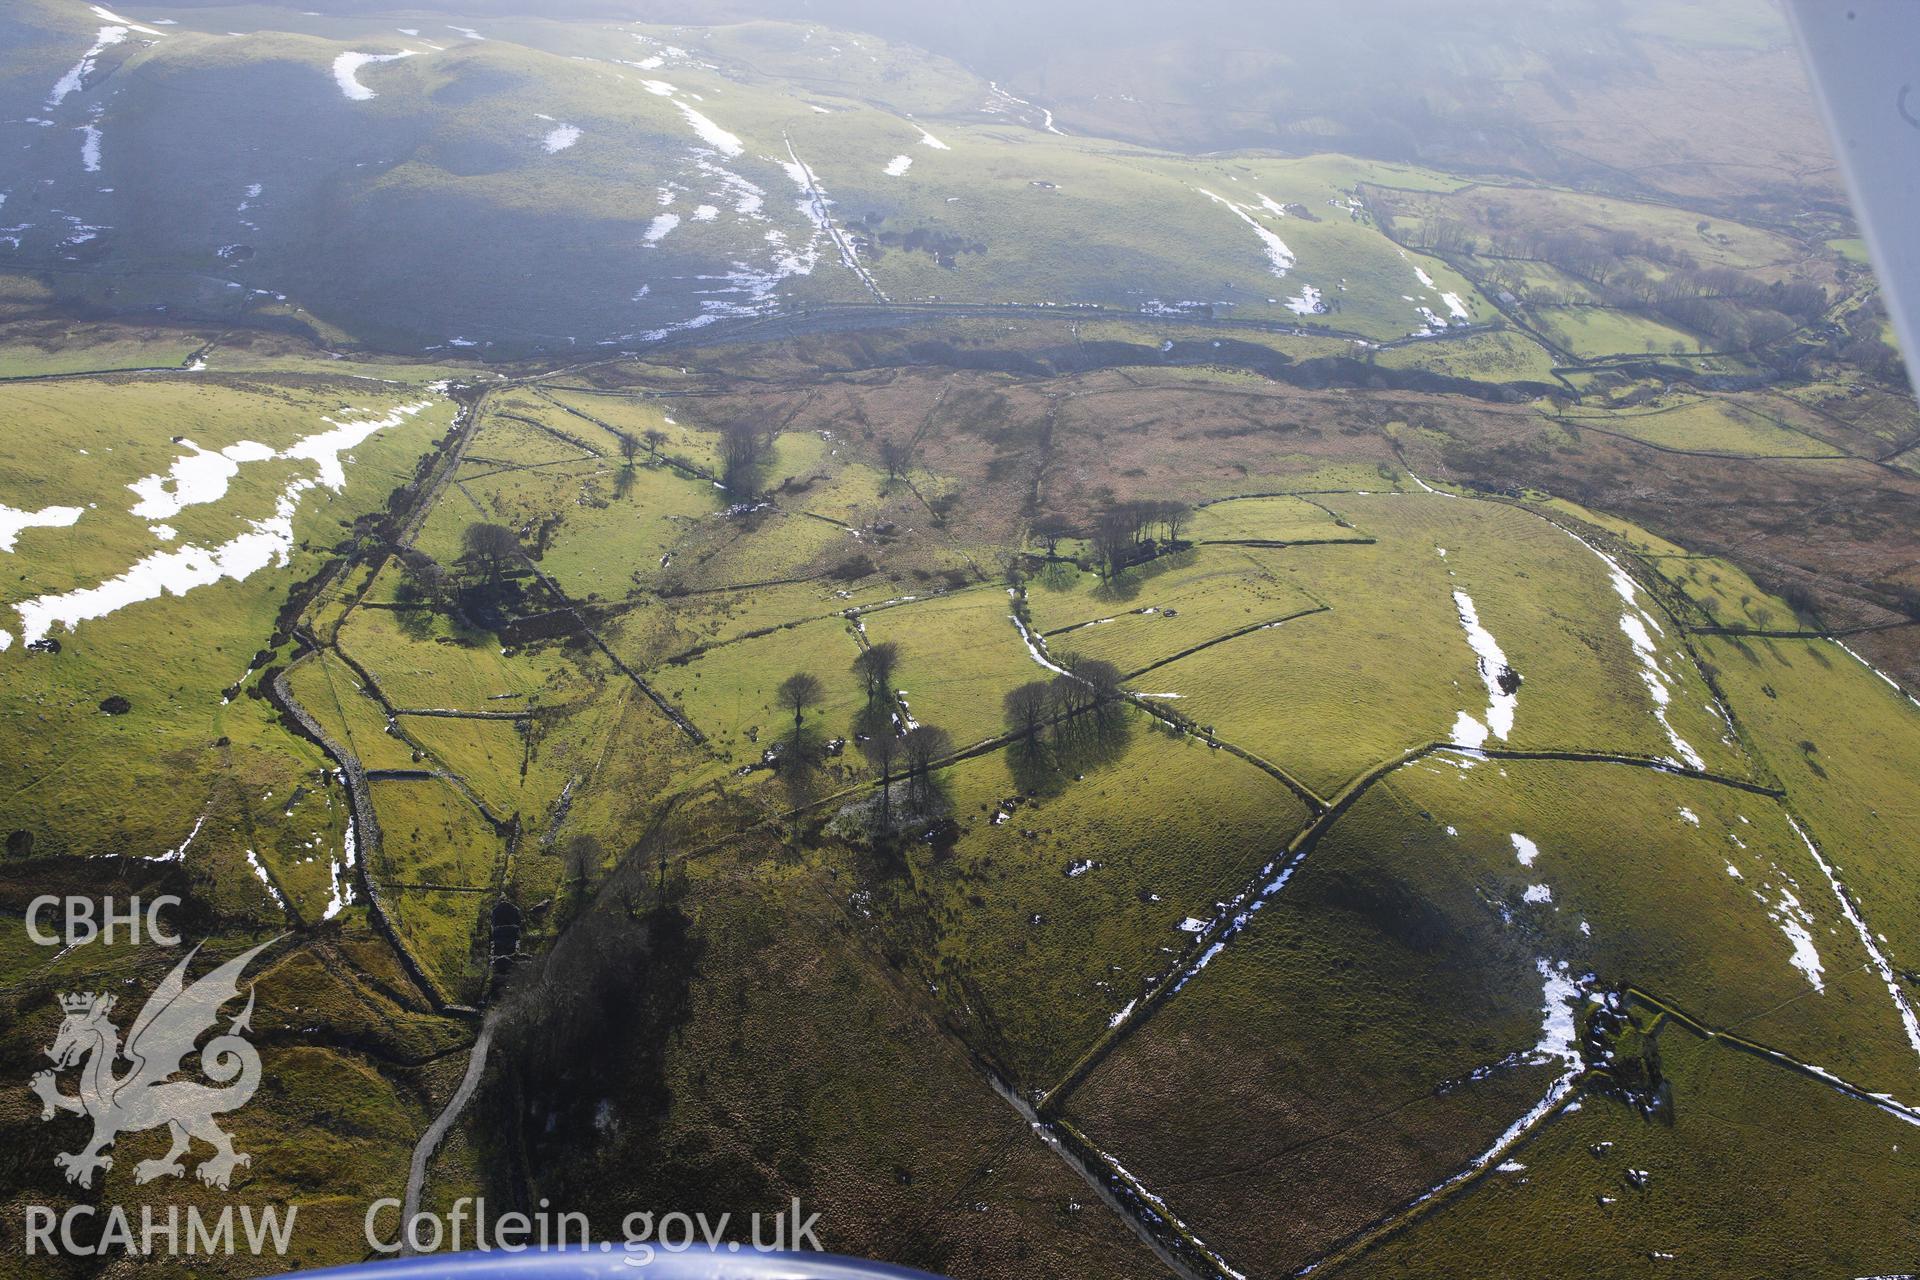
<point>1279,258</point>
<point>325,448</point>
<point>1559,996</point>
<point>1891,682</point>
<point>267,542</point>
<point>1640,627</point>
<point>1307,302</point>
<point>897,166</point>
<point>343,876</point>
<point>194,479</point>
<point>559,139</point>
<point>1046,115</point>
<point>77,74</point>
<point>746,196</point>
<point>108,15</point>
<point>1524,849</point>
<point>662,224</point>
<point>347,66</point>
<point>259,869</point>
<point>1793,920</point>
<point>1557,1041</point>
<point>12,521</point>
<point>928,140</point>
<point>179,852</point>
<point>1492,663</point>
<point>1908,1021</point>
<point>727,144</point>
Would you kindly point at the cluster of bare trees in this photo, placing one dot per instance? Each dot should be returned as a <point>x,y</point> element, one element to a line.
<point>875,666</point>
<point>1124,533</point>
<point>491,558</point>
<point>1089,684</point>
<point>743,445</point>
<point>426,581</point>
<point>900,750</point>
<point>1729,309</point>
<point>921,748</point>
<point>489,551</point>
<point>652,440</point>
<point>896,456</point>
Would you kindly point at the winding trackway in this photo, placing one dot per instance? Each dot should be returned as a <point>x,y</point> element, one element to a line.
<point>437,1131</point>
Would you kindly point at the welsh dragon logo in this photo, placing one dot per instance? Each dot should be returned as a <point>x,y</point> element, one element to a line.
<point>145,1096</point>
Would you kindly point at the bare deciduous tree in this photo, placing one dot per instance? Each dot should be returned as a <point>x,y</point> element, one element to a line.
<point>585,856</point>
<point>924,746</point>
<point>1026,709</point>
<point>1173,517</point>
<point>896,456</point>
<point>883,748</point>
<point>875,665</point>
<point>1049,529</point>
<point>741,447</point>
<point>1101,676</point>
<point>798,693</point>
<point>491,547</point>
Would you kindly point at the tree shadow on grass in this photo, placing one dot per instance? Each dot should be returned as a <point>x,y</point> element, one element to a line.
<point>1130,581</point>
<point>1073,747</point>
<point>802,766</point>
<point>578,1090</point>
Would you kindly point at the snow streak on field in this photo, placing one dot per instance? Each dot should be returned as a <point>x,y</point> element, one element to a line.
<point>1279,257</point>
<point>726,143</point>
<point>1641,628</point>
<point>77,75</point>
<point>1498,721</point>
<point>202,477</point>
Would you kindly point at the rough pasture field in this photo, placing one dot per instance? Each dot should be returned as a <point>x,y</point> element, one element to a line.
<point>1267,643</point>
<point>1287,832</point>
